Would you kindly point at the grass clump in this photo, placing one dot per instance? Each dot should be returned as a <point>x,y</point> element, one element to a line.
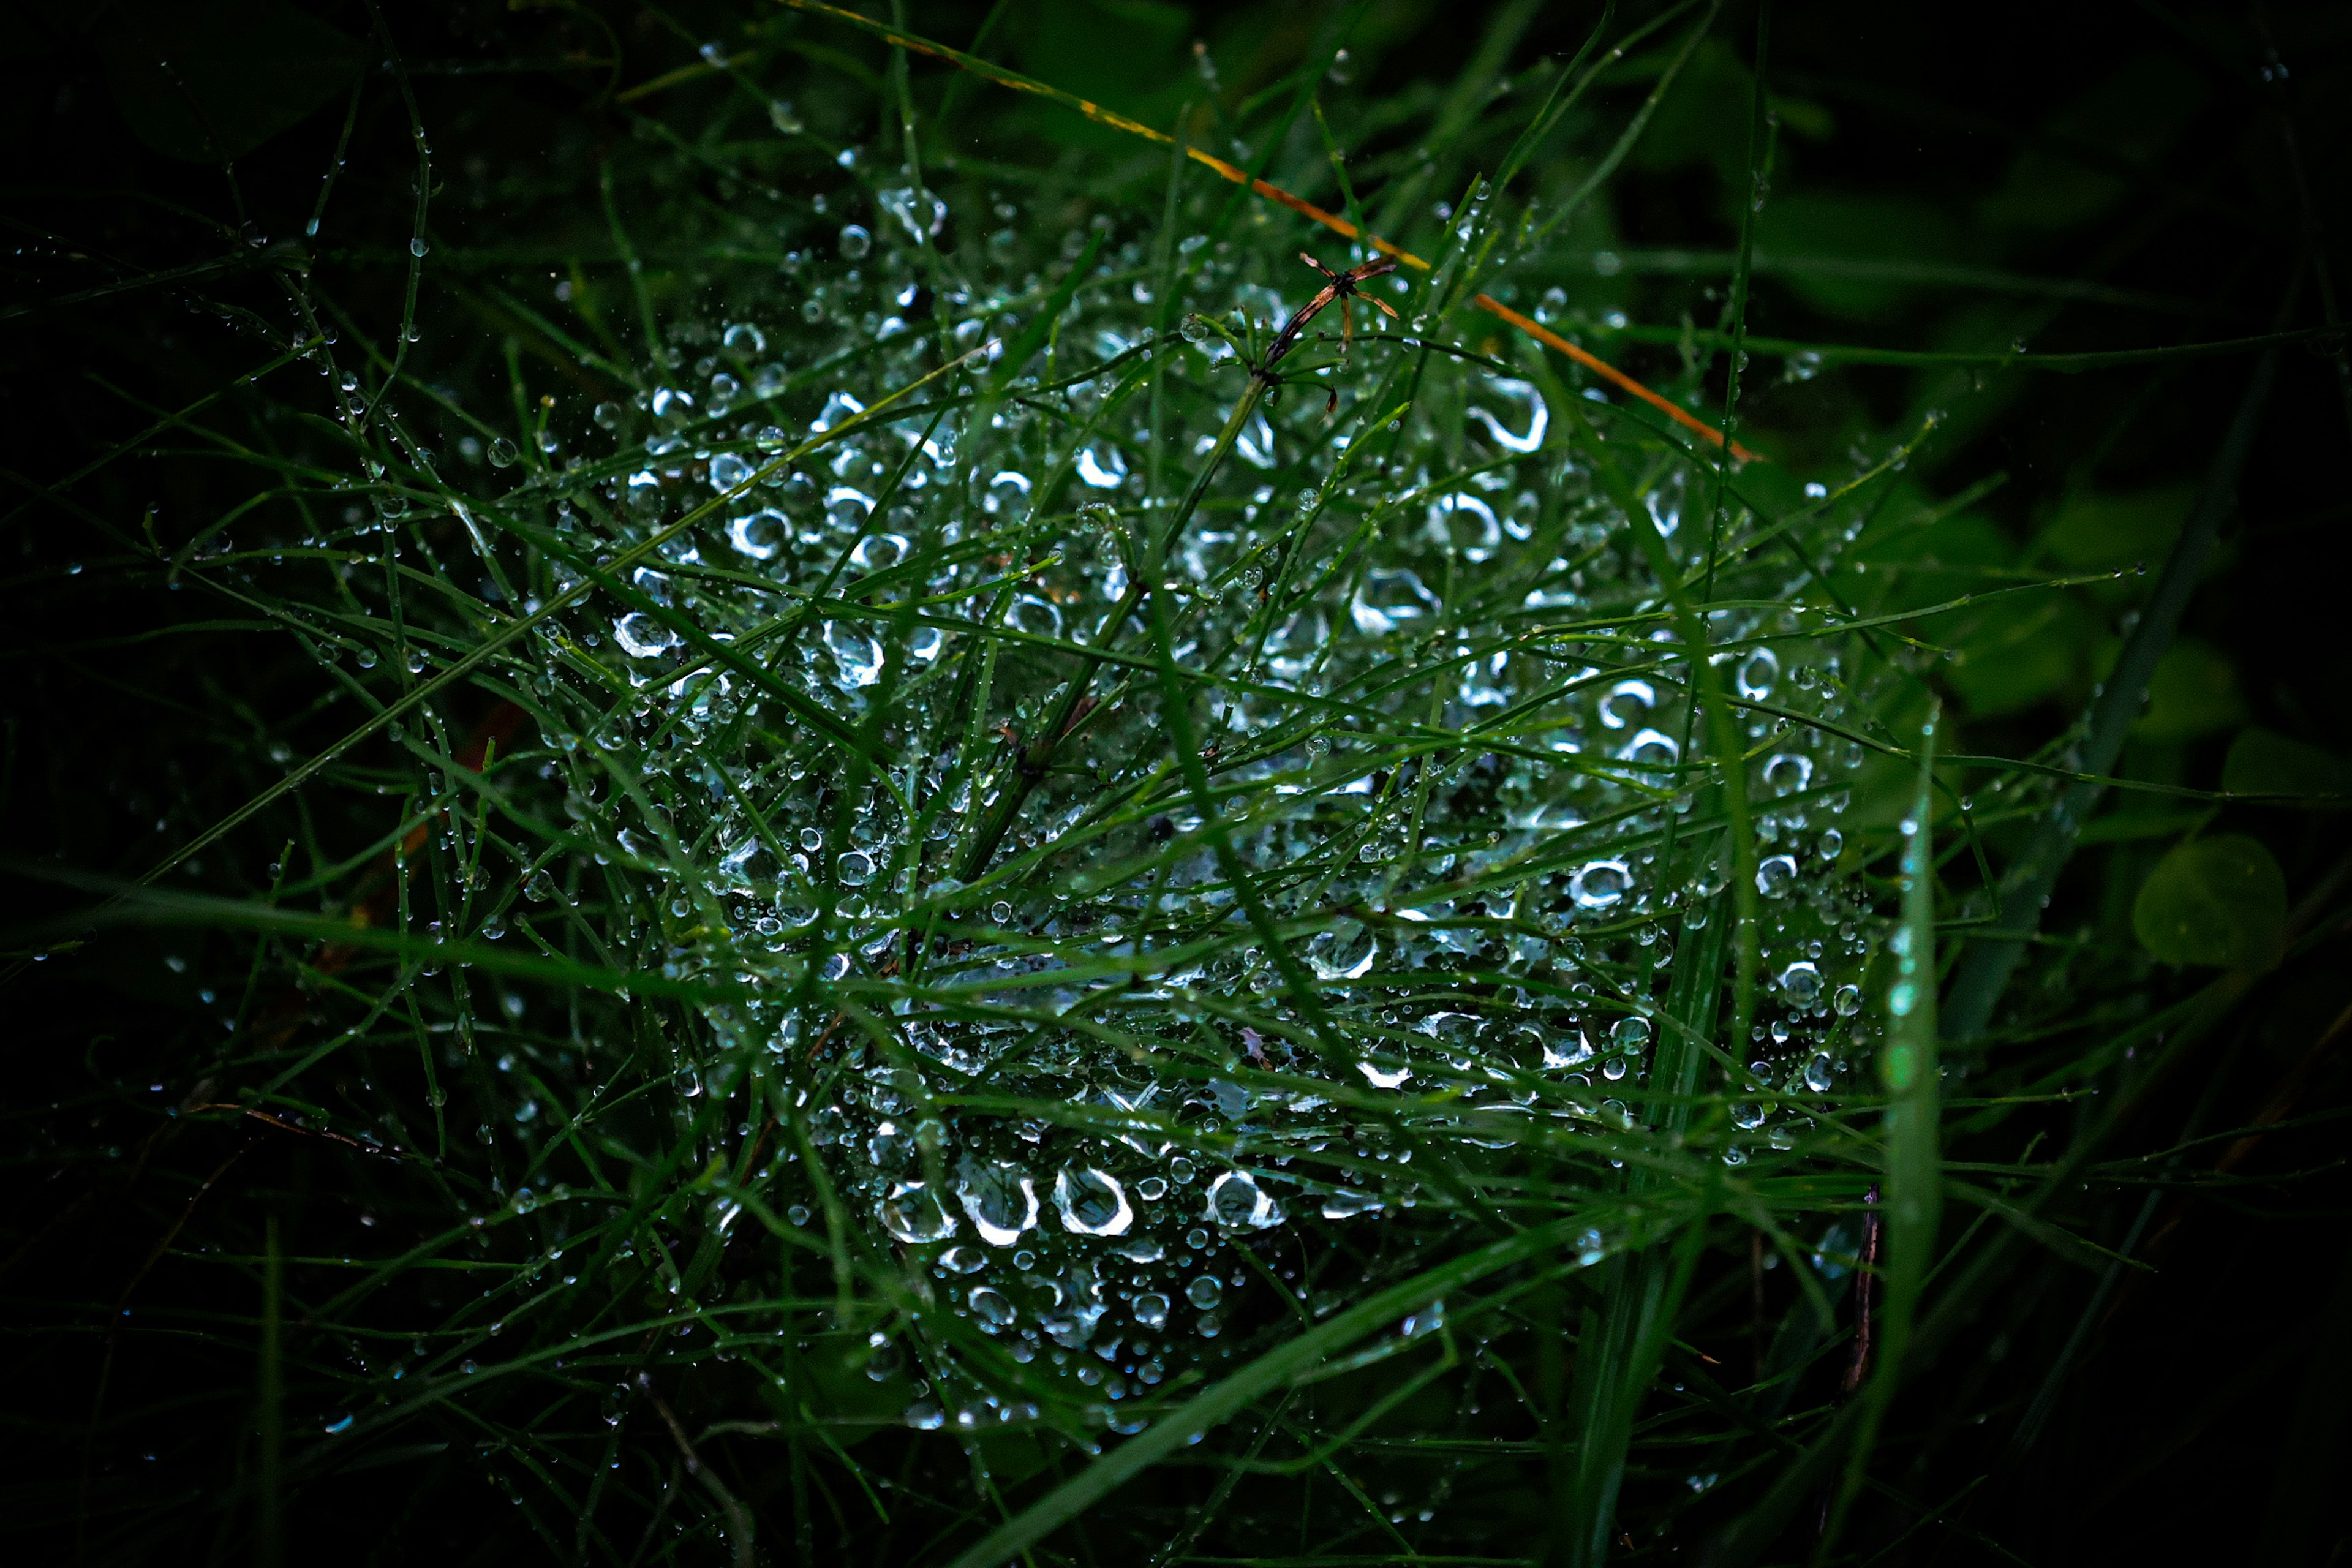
<point>940,877</point>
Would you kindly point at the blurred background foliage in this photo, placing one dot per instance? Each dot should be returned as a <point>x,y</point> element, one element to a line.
<point>1970,181</point>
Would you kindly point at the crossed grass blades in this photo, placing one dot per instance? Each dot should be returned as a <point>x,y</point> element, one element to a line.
<point>987,929</point>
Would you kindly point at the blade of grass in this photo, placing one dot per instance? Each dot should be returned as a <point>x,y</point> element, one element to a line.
<point>1269,1372</point>
<point>1037,756</point>
<point>459,670</point>
<point>1751,203</point>
<point>1990,960</point>
<point>1908,1068</point>
<point>1033,337</point>
<point>1729,744</point>
<point>1618,1354</point>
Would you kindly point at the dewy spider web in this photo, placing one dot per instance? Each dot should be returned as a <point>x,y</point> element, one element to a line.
<point>1402,922</point>
<point>1370,906</point>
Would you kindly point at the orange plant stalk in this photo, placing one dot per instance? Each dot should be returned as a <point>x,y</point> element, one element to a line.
<point>1273,193</point>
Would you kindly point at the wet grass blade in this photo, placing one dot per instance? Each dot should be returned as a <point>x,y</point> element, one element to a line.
<point>1722,726</point>
<point>1914,1191</point>
<point>1273,1370</point>
<point>1619,1351</point>
<point>1985,969</point>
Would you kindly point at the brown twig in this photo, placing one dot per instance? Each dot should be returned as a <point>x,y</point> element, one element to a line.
<point>1865,1274</point>
<point>1343,290</point>
<point>284,1125</point>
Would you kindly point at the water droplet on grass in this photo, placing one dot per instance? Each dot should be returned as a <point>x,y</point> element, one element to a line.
<point>762,535</point>
<point>1531,409</point>
<point>642,636</point>
<point>1000,1199</point>
<point>1345,952</point>
<point>1237,1203</point>
<point>858,655</point>
<point>913,1213</point>
<point>1102,467</point>
<point>1092,1202</point>
<point>1759,671</point>
<point>1787,772</point>
<point>1600,884</point>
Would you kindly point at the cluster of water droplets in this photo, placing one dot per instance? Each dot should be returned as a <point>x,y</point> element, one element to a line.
<point>1069,1079</point>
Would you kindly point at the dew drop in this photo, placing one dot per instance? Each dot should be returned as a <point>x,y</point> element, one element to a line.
<point>1345,952</point>
<point>991,1307</point>
<point>1092,1202</point>
<point>1237,1203</point>
<point>642,636</point>
<point>913,1214</point>
<point>1801,984</point>
<point>999,1197</point>
<point>1600,884</point>
<point>762,535</point>
<point>1758,673</point>
<point>1102,467</point>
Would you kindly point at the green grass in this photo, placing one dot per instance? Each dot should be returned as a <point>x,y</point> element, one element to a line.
<point>722,873</point>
